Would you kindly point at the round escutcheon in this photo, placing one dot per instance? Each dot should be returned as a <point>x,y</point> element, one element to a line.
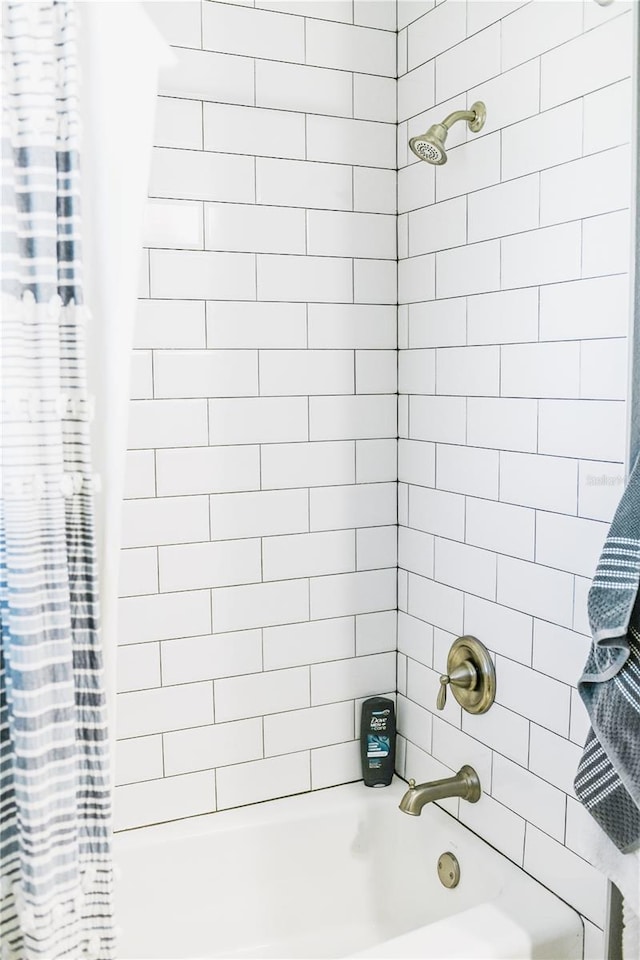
<point>448,870</point>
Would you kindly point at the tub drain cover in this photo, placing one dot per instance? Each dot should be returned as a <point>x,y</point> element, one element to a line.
<point>448,870</point>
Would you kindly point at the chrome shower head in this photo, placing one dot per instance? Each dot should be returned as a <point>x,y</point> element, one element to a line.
<point>429,146</point>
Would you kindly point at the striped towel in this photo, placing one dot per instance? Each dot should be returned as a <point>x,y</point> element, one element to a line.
<point>608,777</point>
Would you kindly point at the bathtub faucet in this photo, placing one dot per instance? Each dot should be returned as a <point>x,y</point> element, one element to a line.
<point>465,784</point>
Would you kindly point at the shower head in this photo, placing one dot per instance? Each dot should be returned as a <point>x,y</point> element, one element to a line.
<point>429,146</point>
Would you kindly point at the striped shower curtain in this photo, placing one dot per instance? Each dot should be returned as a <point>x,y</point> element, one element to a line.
<point>55,816</point>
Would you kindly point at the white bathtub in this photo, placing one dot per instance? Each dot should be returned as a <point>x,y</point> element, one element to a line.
<point>339,872</point>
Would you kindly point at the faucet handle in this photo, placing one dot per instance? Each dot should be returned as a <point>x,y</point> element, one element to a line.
<point>465,675</point>
<point>442,692</point>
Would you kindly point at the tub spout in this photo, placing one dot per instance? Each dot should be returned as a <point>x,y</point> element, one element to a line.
<point>465,784</point>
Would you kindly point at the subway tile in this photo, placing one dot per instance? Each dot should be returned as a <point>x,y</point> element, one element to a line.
<point>138,572</point>
<point>422,767</point>
<point>260,605</point>
<point>173,223</point>
<point>533,695</point>
<point>214,746</point>
<point>471,269</point>
<point>167,423</point>
<point>470,470</point>
<point>138,759</point>
<point>163,616</point>
<point>138,667</point>
<point>415,551</point>
<point>548,483</point>
<point>193,566</point>
<point>376,461</point>
<point>201,275</point>
<point>537,27</point>
<point>263,779</point>
<point>510,207</point>
<point>417,371</point>
<point>201,75</point>
<point>416,91</point>
<point>501,527</point>
<point>374,190</point>
<point>188,659</point>
<point>169,324</point>
<point>509,316</point>
<point>550,138</point>
<point>580,723</point>
<point>374,98</point>
<point>578,883</point>
<point>540,370</point>
<point>440,419</point>
<point>199,373</point>
<point>512,95</point>
<point>376,371</point>
<point>441,28</point>
<point>193,470</point>
<point>254,229</point>
<point>252,325</point>
<point>306,729</point>
<point>468,371</point>
<point>587,429</point>
<point>607,114</point>
<point>553,758</point>
<point>599,15</point>
<point>468,63</point>
<point>312,642</point>
<point>300,372</point>
<point>252,33</point>
<point>234,129</point>
<point>259,514</point>
<point>194,175</point>
<point>414,722</point>
<point>364,143</point>
<point>437,512</point>
<point>345,47</point>
<point>352,417</point>
<point>172,798</point>
<point>541,256</point>
<point>372,13</point>
<point>376,632</point>
<point>178,22</point>
<point>506,424</point>
<point>529,796</point>
<point>585,187</point>
<point>415,639</point>
<point>435,603</point>
<point>536,589</point>
<point>496,824</point>
<point>606,246</point>
<point>471,166</point>
<point>455,748</point>
<point>437,227</point>
<point>339,10</point>
<point>465,567</point>
<point>377,547</point>
<point>416,186</point>
<point>178,123</point>
<point>504,731</point>
<point>334,765</point>
<point>289,86</point>
<point>500,628</point>
<point>324,279</point>
<point>344,594</point>
<point>375,281</point>
<point>141,380</point>
<point>258,420</point>
<point>604,369</point>
<point>261,693</point>
<point>164,520</point>
<point>599,489</point>
<point>585,309</point>
<point>569,543</point>
<point>347,679</point>
<point>308,555</point>
<point>303,183</point>
<point>441,323</point>
<point>567,73</point>
<point>168,708</point>
<point>417,278</point>
<point>307,464</point>
<point>351,234</point>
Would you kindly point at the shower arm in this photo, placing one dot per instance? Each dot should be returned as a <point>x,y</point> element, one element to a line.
<point>469,115</point>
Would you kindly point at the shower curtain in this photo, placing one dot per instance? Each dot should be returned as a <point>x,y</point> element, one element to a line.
<point>55,801</point>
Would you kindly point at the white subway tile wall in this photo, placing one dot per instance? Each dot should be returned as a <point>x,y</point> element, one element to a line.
<point>512,386</point>
<point>259,570</point>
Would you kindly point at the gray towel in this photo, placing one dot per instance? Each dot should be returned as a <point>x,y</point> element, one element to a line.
<point>608,777</point>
